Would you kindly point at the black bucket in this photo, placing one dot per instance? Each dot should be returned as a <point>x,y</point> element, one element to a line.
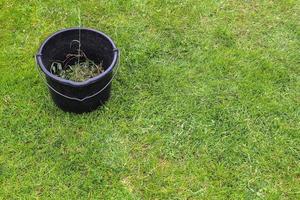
<point>83,96</point>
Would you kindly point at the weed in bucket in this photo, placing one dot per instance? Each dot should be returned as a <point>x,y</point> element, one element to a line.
<point>81,70</point>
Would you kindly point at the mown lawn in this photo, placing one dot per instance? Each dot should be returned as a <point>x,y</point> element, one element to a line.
<point>206,104</point>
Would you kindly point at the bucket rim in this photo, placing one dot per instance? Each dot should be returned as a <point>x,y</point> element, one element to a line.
<point>70,82</point>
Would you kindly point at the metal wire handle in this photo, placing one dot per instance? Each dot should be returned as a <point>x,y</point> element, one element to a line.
<point>75,98</point>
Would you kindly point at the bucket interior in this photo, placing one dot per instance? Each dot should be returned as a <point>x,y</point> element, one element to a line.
<point>96,46</point>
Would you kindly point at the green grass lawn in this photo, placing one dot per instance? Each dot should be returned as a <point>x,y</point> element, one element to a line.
<point>206,104</point>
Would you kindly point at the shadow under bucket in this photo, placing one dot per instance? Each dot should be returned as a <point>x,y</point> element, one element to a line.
<point>86,96</point>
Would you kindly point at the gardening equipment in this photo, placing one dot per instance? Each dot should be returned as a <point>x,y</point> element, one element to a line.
<point>83,96</point>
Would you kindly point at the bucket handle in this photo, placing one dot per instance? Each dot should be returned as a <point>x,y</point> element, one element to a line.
<point>75,98</point>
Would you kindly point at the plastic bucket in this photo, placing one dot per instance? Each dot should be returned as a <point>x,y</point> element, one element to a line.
<point>74,96</point>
